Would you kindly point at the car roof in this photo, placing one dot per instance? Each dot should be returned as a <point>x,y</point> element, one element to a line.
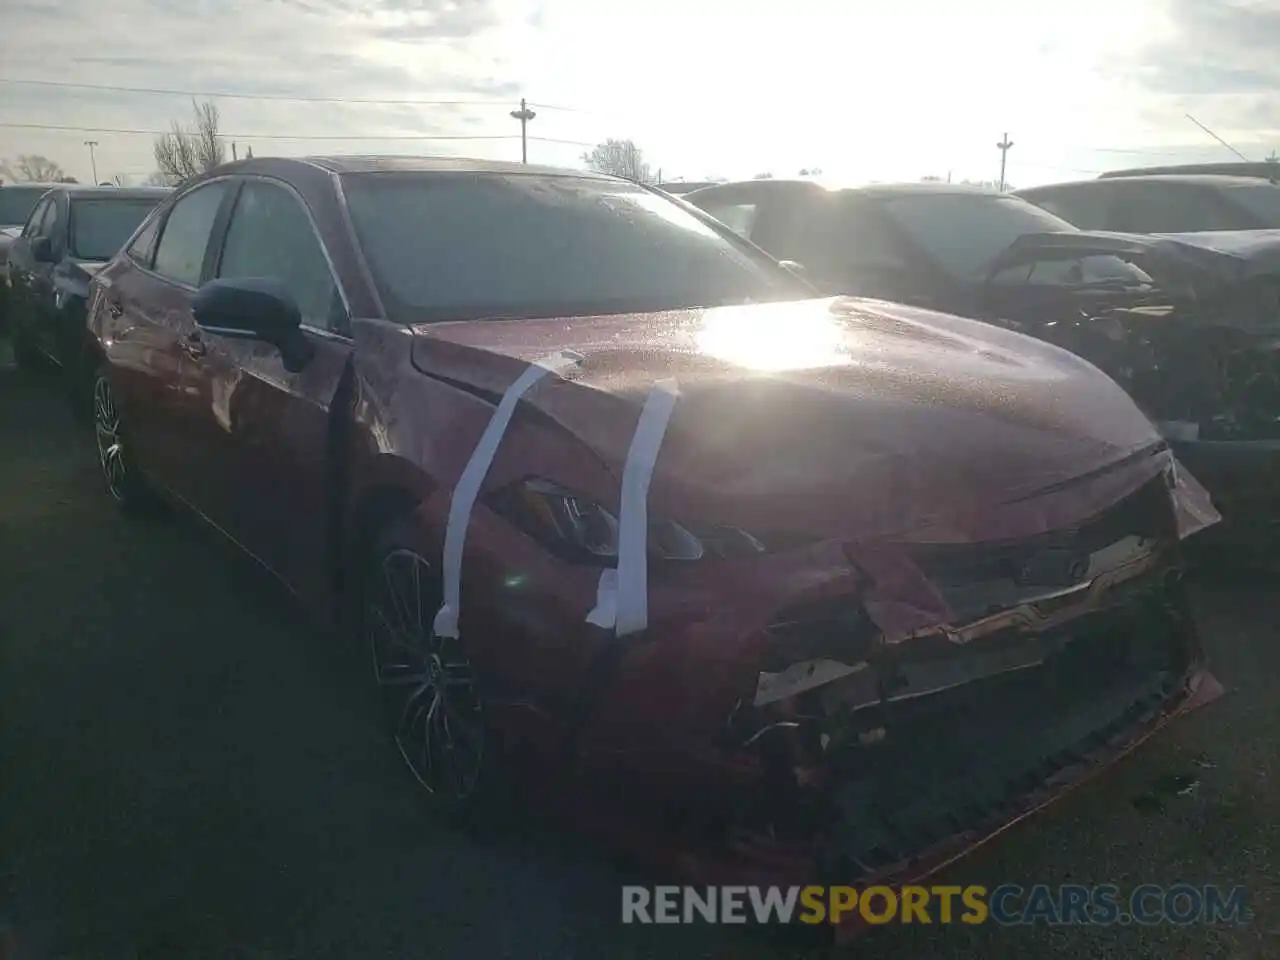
<point>32,185</point>
<point>344,165</point>
<point>876,190</point>
<point>1204,179</point>
<point>1258,170</point>
<point>116,193</point>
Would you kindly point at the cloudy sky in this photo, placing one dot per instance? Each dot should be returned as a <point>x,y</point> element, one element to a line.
<point>865,89</point>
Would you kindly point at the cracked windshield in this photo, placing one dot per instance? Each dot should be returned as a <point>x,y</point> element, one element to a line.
<point>530,478</point>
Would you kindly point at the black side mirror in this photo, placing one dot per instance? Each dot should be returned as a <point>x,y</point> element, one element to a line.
<point>254,308</point>
<point>42,250</point>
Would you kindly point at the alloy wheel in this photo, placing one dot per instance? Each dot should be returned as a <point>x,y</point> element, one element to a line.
<point>106,428</point>
<point>428,684</point>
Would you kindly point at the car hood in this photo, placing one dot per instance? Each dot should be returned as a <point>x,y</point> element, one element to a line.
<point>1182,263</point>
<point>837,416</point>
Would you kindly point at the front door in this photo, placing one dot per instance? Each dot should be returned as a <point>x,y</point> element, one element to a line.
<point>272,428</point>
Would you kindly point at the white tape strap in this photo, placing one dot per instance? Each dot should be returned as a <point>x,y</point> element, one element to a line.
<point>468,488</point>
<point>622,595</point>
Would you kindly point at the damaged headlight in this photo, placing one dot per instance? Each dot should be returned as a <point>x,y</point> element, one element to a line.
<point>584,531</point>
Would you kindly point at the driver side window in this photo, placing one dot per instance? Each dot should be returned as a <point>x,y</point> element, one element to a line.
<point>270,235</point>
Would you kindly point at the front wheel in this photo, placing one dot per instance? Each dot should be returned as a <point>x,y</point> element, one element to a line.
<point>430,689</point>
<point>124,483</point>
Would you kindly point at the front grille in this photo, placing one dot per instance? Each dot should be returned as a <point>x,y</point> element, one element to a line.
<point>963,757</point>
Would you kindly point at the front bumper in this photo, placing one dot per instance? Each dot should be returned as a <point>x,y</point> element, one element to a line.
<point>955,768</point>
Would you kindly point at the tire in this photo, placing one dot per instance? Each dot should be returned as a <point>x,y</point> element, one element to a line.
<point>432,694</point>
<point>125,484</point>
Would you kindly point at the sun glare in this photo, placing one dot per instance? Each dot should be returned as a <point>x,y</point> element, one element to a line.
<point>773,337</point>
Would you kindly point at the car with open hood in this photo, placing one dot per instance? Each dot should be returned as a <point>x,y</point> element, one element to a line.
<point>1189,324</point>
<point>741,579</point>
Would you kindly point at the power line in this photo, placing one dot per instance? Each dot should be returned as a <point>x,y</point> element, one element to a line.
<point>296,136</point>
<point>223,95</point>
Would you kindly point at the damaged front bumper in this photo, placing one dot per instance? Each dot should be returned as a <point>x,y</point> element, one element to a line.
<point>886,766</point>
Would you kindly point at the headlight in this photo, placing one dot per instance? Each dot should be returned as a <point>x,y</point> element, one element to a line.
<point>582,530</point>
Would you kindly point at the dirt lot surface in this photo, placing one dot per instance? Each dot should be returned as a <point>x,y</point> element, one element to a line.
<point>187,771</point>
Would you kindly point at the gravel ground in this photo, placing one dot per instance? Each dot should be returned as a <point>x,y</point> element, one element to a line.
<point>187,771</point>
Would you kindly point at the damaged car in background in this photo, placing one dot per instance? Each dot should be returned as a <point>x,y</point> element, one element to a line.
<point>1189,325</point>
<point>749,583</point>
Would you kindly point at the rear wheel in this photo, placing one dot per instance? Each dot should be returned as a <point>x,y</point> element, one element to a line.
<point>124,483</point>
<point>430,689</point>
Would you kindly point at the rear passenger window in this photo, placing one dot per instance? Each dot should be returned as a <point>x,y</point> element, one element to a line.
<point>143,247</point>
<point>32,229</point>
<point>185,237</point>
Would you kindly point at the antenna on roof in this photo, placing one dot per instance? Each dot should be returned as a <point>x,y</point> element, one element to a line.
<point>1218,138</point>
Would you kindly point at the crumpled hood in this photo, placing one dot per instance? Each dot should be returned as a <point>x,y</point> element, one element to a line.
<point>1183,263</point>
<point>838,416</point>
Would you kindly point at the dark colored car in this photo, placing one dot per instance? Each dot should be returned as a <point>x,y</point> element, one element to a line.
<point>733,576</point>
<point>17,200</point>
<point>1187,324</point>
<point>67,238</point>
<point>1163,204</point>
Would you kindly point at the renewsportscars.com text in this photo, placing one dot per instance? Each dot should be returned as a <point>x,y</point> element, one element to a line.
<point>1006,905</point>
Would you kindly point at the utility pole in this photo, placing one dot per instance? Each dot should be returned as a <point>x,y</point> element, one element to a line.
<point>1003,146</point>
<point>92,162</point>
<point>233,151</point>
<point>524,115</point>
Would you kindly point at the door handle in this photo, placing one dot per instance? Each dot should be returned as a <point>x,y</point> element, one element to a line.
<point>116,309</point>
<point>193,346</point>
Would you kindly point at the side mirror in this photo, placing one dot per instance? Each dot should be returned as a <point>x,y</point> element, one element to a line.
<point>254,308</point>
<point>42,250</point>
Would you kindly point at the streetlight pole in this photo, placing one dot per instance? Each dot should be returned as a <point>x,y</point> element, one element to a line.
<point>92,162</point>
<point>524,115</point>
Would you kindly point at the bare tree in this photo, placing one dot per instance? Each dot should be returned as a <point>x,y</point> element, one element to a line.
<point>621,158</point>
<point>763,176</point>
<point>32,167</point>
<point>810,171</point>
<point>184,153</point>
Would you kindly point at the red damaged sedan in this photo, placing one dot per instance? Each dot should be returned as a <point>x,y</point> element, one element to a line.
<point>760,584</point>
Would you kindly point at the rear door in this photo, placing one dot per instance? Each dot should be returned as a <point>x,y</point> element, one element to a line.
<point>147,332</point>
<point>270,485</point>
